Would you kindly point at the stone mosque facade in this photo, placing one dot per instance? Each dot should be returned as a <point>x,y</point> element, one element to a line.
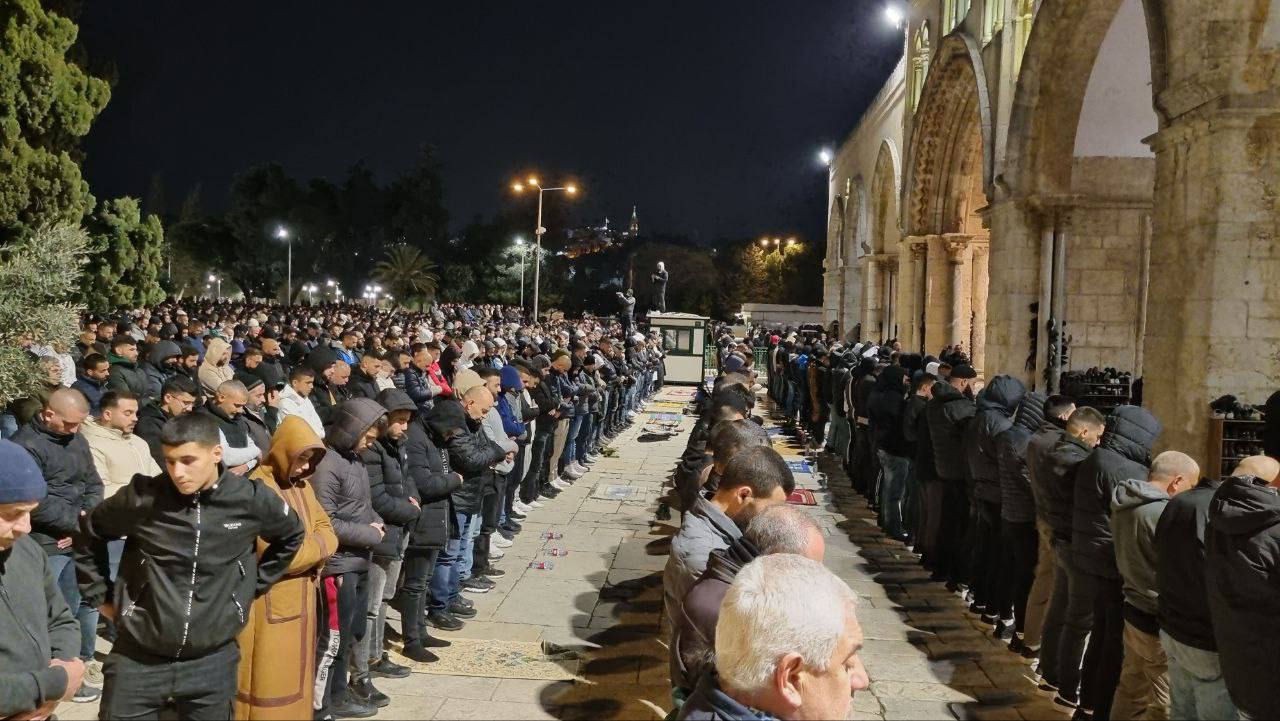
<point>1107,170</point>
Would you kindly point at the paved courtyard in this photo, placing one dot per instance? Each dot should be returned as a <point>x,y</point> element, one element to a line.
<point>927,657</point>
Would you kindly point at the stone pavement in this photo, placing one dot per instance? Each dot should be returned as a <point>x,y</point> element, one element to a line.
<point>927,657</point>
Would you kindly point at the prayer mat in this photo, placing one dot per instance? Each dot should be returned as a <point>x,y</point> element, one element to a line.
<point>802,497</point>
<point>665,416</point>
<point>679,392</point>
<point>666,404</point>
<point>773,431</point>
<point>496,659</point>
<point>799,467</point>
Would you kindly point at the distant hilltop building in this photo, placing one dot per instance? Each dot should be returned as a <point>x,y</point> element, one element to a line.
<point>585,241</point>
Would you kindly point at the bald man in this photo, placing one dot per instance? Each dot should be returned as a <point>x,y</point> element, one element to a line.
<point>1136,506</point>
<point>1242,562</point>
<point>53,438</point>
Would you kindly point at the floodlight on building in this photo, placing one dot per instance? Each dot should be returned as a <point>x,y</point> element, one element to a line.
<point>825,156</point>
<point>893,15</point>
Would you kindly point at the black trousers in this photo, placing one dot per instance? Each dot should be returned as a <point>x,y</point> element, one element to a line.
<point>138,685</point>
<point>1022,551</point>
<point>540,450</point>
<point>953,526</point>
<point>344,601</point>
<point>1095,613</point>
<point>931,520</point>
<point>418,564</point>
<point>490,505</point>
<point>989,589</point>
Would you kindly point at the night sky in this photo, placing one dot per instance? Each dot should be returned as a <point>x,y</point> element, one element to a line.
<point>707,115</point>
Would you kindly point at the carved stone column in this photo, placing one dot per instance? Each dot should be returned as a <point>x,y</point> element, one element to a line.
<point>958,254</point>
<point>919,260</point>
<point>981,256</point>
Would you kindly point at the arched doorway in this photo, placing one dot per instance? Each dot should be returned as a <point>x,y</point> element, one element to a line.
<point>883,270</point>
<point>835,262</point>
<point>946,198</point>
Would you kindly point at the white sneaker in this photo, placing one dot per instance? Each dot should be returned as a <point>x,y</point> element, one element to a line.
<point>592,458</point>
<point>631,415</point>
<point>582,469</point>
<point>495,553</point>
<point>93,673</point>
<point>571,472</point>
<point>521,507</point>
<point>557,483</point>
<point>536,504</point>
<point>501,541</point>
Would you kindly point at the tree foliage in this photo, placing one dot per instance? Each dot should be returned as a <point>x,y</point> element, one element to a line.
<point>47,103</point>
<point>37,274</point>
<point>127,257</point>
<point>408,275</point>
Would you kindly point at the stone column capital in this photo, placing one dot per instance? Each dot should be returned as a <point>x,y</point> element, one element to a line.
<point>955,244</point>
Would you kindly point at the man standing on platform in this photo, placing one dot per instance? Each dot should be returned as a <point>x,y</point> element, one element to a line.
<point>660,288</point>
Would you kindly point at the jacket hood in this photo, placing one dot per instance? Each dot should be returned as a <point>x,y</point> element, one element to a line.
<point>292,438</point>
<point>216,349</point>
<point>394,399</point>
<point>162,351</point>
<point>445,418</point>
<point>511,379</point>
<point>1132,493</point>
<point>1031,412</point>
<point>351,420</point>
<point>1003,395</point>
<point>944,392</point>
<point>893,378</point>
<point>1244,506</point>
<point>724,564</point>
<point>320,359</point>
<point>1131,431</point>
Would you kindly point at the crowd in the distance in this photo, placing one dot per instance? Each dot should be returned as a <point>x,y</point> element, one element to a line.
<point>1140,586</point>
<point>242,490</point>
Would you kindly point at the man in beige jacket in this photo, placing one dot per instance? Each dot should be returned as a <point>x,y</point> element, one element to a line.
<point>118,454</point>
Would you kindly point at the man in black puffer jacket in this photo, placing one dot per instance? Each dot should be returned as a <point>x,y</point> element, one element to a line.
<point>455,427</point>
<point>1057,409</point>
<point>393,499</point>
<point>342,488</point>
<point>1096,605</point>
<point>1242,564</point>
<point>886,408</point>
<point>996,406</point>
<point>949,413</point>
<point>1019,544</point>
<point>427,469</point>
<point>1186,625</point>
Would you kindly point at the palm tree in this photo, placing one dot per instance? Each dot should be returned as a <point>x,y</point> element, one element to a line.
<point>408,274</point>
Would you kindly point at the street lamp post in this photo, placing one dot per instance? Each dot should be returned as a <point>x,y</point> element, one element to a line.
<point>213,278</point>
<point>538,232</point>
<point>521,250</point>
<point>283,234</point>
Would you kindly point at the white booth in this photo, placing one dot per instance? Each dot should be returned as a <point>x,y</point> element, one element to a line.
<point>684,336</point>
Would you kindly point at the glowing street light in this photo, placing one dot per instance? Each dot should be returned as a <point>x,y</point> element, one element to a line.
<point>764,242</point>
<point>282,233</point>
<point>825,157</point>
<point>538,232</point>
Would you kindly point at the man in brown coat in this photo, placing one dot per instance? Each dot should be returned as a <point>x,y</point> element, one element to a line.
<point>278,644</point>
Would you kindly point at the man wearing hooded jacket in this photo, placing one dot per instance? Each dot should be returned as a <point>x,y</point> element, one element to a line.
<point>1242,564</point>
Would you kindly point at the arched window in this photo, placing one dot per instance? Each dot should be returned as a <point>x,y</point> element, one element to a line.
<point>992,19</point>
<point>920,52</point>
<point>1026,10</point>
<point>953,13</point>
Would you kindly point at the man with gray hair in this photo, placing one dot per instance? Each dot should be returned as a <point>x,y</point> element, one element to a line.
<point>782,654</point>
<point>778,529</point>
<point>1136,507</point>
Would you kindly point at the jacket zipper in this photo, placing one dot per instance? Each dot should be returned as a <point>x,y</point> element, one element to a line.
<point>236,601</point>
<point>191,594</point>
<point>133,603</point>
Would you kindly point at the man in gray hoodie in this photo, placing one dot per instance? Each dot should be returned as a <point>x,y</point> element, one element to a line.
<point>1136,505</point>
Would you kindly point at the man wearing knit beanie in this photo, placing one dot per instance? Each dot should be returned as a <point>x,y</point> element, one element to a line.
<point>31,682</point>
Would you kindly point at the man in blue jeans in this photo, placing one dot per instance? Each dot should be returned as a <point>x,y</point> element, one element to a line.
<point>54,440</point>
<point>887,407</point>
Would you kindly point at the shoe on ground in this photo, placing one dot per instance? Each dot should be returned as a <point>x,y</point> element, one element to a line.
<point>86,694</point>
<point>1046,689</point>
<point>1063,702</point>
<point>590,459</point>
<point>559,484</point>
<point>520,507</point>
<point>515,515</point>
<point>501,541</point>
<point>352,708</point>
<point>477,584</point>
<point>444,621</point>
<point>571,472</point>
<point>93,673</point>
<point>458,610</point>
<point>365,692</point>
<point>548,493</point>
<point>1029,653</point>
<point>581,469</point>
<point>1016,645</point>
<point>511,526</point>
<point>496,554</point>
<point>1082,715</point>
<point>419,653</point>
<point>492,572</point>
<point>386,668</point>
<point>535,503</point>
